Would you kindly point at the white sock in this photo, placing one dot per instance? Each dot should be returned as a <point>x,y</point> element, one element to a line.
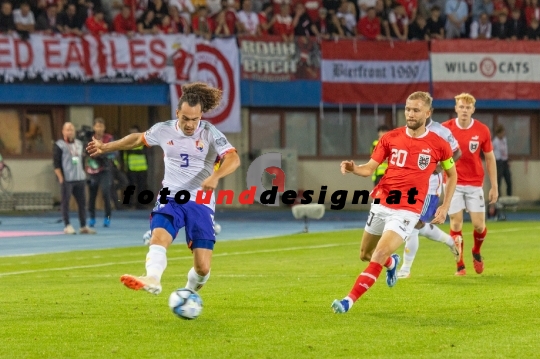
<point>156,261</point>
<point>411,247</point>
<point>195,281</point>
<point>436,234</point>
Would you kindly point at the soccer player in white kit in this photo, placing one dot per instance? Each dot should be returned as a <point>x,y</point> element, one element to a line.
<point>190,147</point>
<point>423,227</point>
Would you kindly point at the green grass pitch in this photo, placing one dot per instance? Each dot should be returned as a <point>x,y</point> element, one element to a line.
<point>270,298</point>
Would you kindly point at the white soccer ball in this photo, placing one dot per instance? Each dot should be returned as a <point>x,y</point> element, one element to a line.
<point>185,303</point>
<point>146,237</point>
<point>217,228</point>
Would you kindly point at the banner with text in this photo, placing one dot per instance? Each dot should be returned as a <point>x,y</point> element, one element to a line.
<point>113,58</point>
<point>508,70</point>
<point>271,59</point>
<point>373,72</point>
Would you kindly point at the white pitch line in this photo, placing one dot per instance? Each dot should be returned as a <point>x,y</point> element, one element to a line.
<point>176,258</point>
<point>515,229</point>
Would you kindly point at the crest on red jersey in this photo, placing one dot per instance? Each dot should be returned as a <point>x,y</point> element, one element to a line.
<point>473,146</point>
<point>423,161</point>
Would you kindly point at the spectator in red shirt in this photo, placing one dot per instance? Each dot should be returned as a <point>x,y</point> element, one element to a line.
<point>229,10</point>
<point>166,26</point>
<point>222,30</point>
<point>264,16</point>
<point>96,24</point>
<point>532,11</point>
<point>282,24</point>
<point>277,5</point>
<point>203,25</point>
<point>411,7</point>
<point>499,6</point>
<point>369,27</point>
<point>124,23</point>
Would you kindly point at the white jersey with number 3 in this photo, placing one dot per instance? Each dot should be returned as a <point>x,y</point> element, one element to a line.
<point>189,160</point>
<point>436,180</point>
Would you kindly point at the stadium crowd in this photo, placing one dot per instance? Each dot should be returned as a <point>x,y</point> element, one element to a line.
<point>325,19</point>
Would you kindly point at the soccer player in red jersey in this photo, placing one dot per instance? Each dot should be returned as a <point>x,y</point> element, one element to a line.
<point>413,153</point>
<point>473,137</point>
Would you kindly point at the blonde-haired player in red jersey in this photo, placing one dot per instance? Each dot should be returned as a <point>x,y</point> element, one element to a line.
<point>413,152</point>
<point>473,137</point>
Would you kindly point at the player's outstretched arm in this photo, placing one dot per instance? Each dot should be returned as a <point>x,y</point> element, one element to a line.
<point>229,164</point>
<point>96,147</point>
<point>364,170</point>
<point>491,166</point>
<point>451,181</point>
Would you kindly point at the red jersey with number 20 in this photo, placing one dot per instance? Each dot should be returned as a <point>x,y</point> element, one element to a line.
<point>471,140</point>
<point>411,162</point>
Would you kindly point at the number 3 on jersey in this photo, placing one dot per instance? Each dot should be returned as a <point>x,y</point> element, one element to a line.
<point>185,160</point>
<point>398,157</point>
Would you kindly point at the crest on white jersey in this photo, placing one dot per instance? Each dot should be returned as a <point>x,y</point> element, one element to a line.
<point>473,146</point>
<point>423,161</point>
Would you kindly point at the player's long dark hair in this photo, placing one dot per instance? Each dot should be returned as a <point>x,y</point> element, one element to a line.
<point>200,93</point>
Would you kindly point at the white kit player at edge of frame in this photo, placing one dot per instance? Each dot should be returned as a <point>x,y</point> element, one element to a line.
<point>191,146</point>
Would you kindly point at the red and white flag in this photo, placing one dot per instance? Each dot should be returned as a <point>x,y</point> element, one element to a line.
<point>488,69</point>
<point>373,72</point>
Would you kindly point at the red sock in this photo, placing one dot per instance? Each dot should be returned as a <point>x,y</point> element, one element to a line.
<point>389,262</point>
<point>365,280</point>
<point>478,240</point>
<point>458,233</point>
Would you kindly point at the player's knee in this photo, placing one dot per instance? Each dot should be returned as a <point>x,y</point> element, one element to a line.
<point>160,240</point>
<point>365,256</point>
<point>202,269</point>
<point>479,228</point>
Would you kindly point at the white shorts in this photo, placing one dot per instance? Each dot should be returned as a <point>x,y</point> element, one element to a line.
<point>382,219</point>
<point>467,197</point>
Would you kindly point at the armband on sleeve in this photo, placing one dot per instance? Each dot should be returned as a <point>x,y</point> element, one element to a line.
<point>447,164</point>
